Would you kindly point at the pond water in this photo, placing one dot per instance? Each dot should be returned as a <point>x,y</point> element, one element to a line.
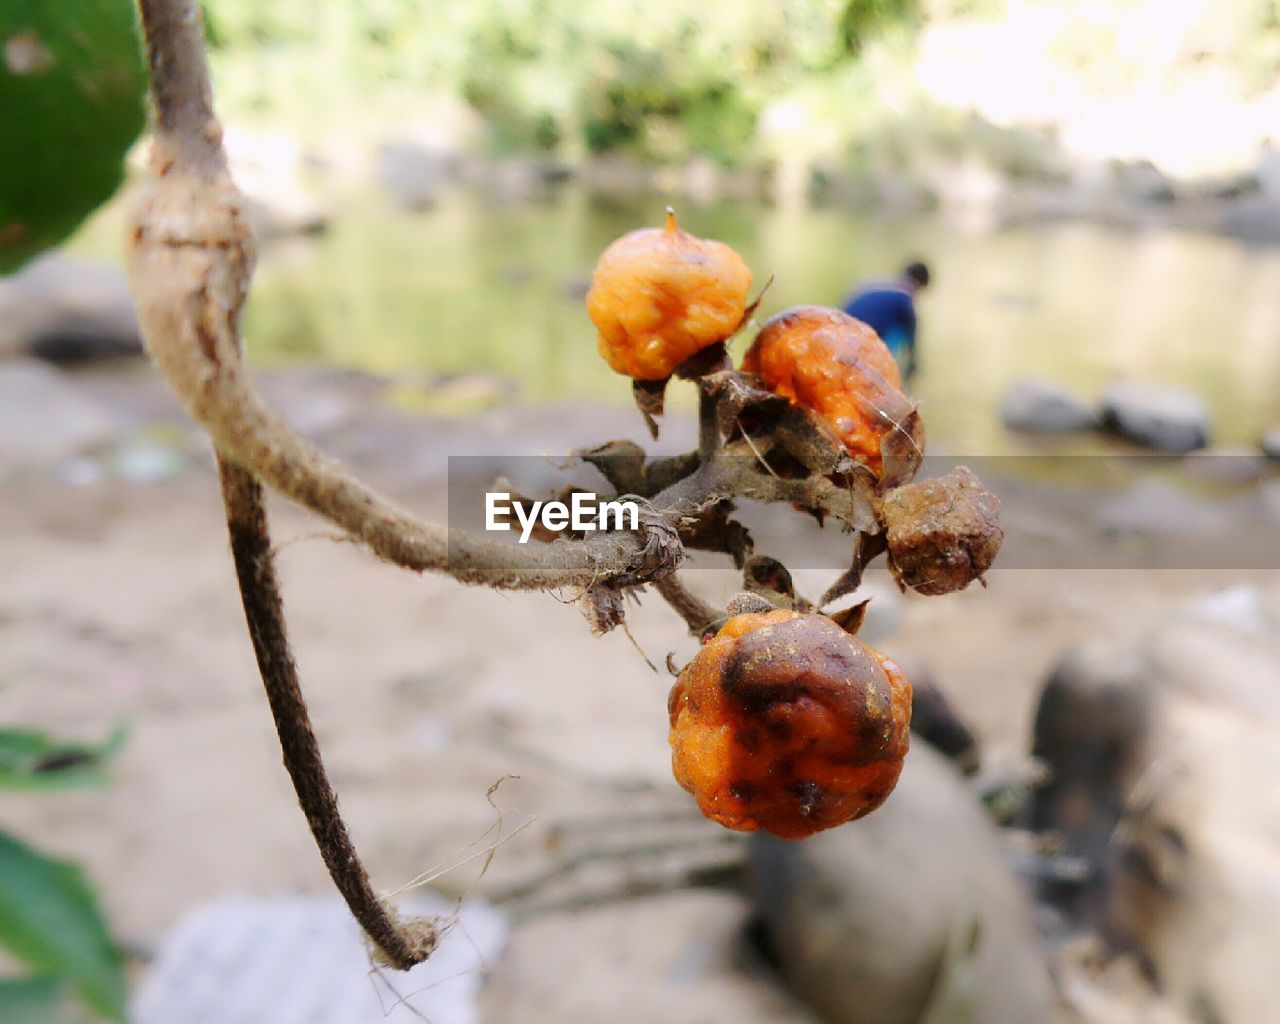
<point>476,285</point>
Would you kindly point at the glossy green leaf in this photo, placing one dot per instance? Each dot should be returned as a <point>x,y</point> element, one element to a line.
<point>33,760</point>
<point>32,1000</point>
<point>72,83</point>
<point>49,919</point>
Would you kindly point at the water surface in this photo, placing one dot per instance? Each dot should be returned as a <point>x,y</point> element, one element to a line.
<point>474,284</point>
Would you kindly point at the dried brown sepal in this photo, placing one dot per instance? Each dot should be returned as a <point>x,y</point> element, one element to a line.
<point>650,397</point>
<point>851,619</point>
<point>942,533</point>
<point>602,607</point>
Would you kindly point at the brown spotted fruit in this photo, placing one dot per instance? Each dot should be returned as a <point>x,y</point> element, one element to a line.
<point>659,295</point>
<point>786,723</point>
<point>839,369</point>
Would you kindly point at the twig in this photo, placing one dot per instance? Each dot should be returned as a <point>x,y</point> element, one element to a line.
<point>405,944</point>
<point>697,613</point>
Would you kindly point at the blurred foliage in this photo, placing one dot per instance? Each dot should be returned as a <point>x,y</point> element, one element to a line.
<point>34,760</point>
<point>72,82</point>
<point>839,82</point>
<point>49,916</point>
<point>659,79</point>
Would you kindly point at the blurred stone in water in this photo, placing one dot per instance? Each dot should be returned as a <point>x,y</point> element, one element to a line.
<point>908,911</point>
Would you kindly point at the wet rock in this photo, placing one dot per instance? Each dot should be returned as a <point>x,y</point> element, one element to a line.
<point>1271,443</point>
<point>1165,418</point>
<point>1091,731</point>
<point>67,311</point>
<point>1040,405</point>
<point>45,418</point>
<point>413,174</point>
<point>1160,754</point>
<point>909,912</point>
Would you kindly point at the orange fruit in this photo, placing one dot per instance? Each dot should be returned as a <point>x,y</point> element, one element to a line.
<point>784,722</point>
<point>658,295</point>
<point>838,368</point>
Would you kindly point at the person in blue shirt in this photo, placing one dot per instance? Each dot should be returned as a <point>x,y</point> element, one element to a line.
<point>889,309</point>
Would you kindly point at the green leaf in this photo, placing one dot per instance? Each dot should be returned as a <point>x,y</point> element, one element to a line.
<point>37,1000</point>
<point>72,83</point>
<point>33,760</point>
<point>49,919</point>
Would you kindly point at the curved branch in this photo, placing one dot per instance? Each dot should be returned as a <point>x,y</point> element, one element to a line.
<point>190,259</point>
<point>190,255</point>
<point>698,614</point>
<point>403,944</point>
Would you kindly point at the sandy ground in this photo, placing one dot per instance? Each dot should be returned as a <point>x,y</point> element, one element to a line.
<point>117,604</point>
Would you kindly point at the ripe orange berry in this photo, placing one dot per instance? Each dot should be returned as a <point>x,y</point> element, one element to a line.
<point>837,367</point>
<point>784,722</point>
<point>659,295</point>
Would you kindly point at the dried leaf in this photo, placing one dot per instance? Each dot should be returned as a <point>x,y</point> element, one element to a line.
<point>650,396</point>
<point>851,618</point>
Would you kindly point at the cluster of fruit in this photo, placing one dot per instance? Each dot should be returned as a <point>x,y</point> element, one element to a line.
<point>783,721</point>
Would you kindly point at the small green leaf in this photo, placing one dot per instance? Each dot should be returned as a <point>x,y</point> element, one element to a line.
<point>49,919</point>
<point>37,1000</point>
<point>72,81</point>
<point>33,760</point>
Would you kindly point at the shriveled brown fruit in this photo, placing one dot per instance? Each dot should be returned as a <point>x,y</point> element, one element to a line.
<point>942,533</point>
<point>659,295</point>
<point>786,723</point>
<point>838,368</point>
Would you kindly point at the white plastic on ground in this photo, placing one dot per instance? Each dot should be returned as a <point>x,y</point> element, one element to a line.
<point>303,961</point>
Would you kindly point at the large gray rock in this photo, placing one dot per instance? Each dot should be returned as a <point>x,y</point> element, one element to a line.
<point>1161,753</point>
<point>45,418</point>
<point>65,310</point>
<point>908,915</point>
<point>1271,443</point>
<point>1165,418</point>
<point>1040,405</point>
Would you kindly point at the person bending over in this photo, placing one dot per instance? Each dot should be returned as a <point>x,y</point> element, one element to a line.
<point>889,309</point>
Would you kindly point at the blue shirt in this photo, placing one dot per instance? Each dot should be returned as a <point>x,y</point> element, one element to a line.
<point>891,313</point>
